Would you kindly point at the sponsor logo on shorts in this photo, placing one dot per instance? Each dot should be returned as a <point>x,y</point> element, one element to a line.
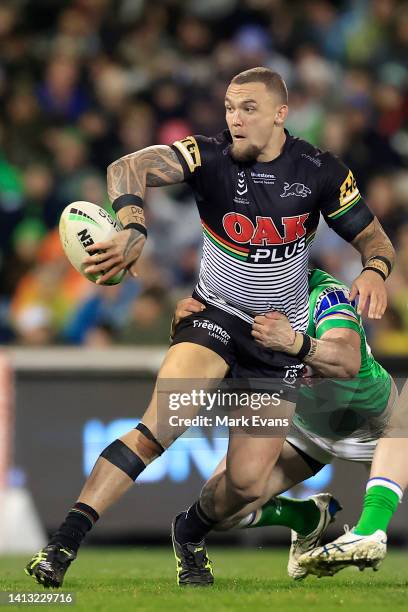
<point>214,330</point>
<point>295,189</point>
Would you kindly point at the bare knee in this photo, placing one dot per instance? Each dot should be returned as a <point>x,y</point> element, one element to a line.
<point>247,488</point>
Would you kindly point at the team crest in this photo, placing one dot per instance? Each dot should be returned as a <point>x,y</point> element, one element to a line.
<point>295,189</point>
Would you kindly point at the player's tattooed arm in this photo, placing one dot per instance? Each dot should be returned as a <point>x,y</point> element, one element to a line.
<point>154,166</point>
<point>372,240</point>
<point>337,353</point>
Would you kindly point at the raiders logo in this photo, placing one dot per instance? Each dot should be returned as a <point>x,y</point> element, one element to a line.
<point>188,147</point>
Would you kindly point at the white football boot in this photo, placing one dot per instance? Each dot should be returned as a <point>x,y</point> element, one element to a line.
<point>328,507</point>
<point>349,549</point>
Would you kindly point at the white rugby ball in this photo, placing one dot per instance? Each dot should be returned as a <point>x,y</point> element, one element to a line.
<point>83,224</point>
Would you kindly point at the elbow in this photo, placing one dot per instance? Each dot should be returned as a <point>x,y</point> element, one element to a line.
<point>347,372</point>
<point>351,368</point>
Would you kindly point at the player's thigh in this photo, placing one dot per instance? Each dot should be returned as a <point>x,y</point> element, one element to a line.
<point>252,455</point>
<point>186,366</point>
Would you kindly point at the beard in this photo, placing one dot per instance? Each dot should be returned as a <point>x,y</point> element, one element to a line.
<point>246,154</point>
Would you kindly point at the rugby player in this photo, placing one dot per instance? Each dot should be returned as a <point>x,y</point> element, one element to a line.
<point>366,544</point>
<point>351,416</point>
<point>259,192</point>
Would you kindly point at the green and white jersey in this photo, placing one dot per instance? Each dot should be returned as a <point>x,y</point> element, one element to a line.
<point>337,407</point>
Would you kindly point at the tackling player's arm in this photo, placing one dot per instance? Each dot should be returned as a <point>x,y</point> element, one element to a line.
<point>335,354</point>
<point>128,178</point>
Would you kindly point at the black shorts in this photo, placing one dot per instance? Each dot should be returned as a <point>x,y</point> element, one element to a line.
<point>230,337</point>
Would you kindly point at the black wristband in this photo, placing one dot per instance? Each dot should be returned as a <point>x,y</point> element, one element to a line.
<point>306,346</point>
<point>380,272</point>
<point>383,259</point>
<point>137,226</point>
<point>127,199</point>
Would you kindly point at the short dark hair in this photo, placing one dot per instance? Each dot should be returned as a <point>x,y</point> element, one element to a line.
<point>273,81</point>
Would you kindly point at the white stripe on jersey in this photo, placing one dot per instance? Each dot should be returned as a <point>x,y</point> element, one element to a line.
<point>245,289</point>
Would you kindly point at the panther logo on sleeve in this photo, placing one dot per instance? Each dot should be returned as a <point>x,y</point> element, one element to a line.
<point>189,149</point>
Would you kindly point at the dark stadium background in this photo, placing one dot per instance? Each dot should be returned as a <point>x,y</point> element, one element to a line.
<point>86,81</point>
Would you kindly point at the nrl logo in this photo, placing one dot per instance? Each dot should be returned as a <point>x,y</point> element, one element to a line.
<point>295,189</point>
<point>242,186</point>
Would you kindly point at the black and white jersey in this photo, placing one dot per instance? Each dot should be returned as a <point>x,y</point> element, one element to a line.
<point>260,219</point>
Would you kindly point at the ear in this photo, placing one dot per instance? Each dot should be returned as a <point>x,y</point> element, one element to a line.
<point>281,114</point>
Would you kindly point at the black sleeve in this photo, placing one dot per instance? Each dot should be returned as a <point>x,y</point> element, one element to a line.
<point>340,201</point>
<point>197,155</point>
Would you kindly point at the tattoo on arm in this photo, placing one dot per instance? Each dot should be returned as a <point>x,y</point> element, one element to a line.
<point>134,238</point>
<point>372,240</point>
<point>313,349</point>
<point>151,167</point>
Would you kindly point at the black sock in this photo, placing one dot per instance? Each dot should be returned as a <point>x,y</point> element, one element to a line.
<point>193,525</point>
<point>80,519</point>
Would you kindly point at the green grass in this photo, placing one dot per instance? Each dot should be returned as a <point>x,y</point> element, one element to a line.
<point>144,579</point>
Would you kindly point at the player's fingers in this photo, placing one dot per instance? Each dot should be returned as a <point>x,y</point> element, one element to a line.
<point>373,308</point>
<point>185,308</point>
<point>362,301</point>
<point>109,274</point>
<point>256,334</point>
<point>99,246</point>
<point>353,292</point>
<point>260,320</point>
<point>274,315</point>
<point>97,258</point>
<point>383,305</point>
<point>195,302</point>
<point>258,328</point>
<point>193,306</point>
<point>186,313</point>
<point>105,265</point>
<point>181,313</point>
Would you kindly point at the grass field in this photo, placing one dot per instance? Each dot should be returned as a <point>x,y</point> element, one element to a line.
<point>144,579</point>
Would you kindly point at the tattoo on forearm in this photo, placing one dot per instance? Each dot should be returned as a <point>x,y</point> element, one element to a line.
<point>134,238</point>
<point>313,349</point>
<point>151,167</point>
<point>374,241</point>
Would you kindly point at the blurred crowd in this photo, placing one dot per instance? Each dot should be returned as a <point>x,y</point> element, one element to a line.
<point>83,82</point>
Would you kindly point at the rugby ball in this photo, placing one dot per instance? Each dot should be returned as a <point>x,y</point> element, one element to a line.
<point>83,224</point>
